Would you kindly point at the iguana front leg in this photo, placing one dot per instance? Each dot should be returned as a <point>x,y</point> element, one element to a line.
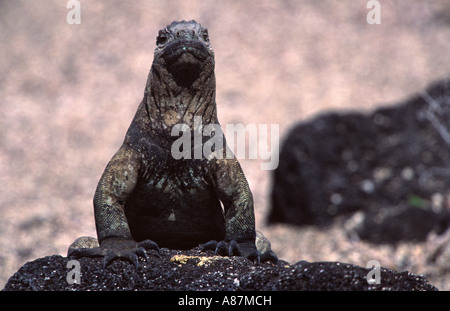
<point>116,184</point>
<point>235,194</point>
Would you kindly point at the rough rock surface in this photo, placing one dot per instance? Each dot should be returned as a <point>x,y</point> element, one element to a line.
<point>387,173</point>
<point>197,271</point>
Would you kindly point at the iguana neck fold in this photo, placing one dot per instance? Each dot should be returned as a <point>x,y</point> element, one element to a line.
<point>168,104</point>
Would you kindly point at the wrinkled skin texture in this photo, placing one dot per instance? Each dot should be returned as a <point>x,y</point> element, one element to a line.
<point>146,198</point>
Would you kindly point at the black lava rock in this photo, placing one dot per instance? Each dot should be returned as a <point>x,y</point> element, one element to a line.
<point>392,165</point>
<point>192,270</point>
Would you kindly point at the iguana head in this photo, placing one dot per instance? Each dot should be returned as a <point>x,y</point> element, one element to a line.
<point>181,83</point>
<point>184,49</point>
<point>183,54</point>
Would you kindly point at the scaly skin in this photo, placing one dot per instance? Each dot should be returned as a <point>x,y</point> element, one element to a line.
<point>145,196</point>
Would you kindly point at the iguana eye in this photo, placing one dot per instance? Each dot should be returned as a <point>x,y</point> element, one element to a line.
<point>204,35</point>
<point>162,37</point>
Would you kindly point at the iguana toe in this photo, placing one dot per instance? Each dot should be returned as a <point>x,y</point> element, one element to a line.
<point>130,256</point>
<point>233,248</point>
<point>269,256</point>
<point>116,248</point>
<point>148,245</point>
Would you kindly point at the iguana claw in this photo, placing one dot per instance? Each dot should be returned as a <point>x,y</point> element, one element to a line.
<point>244,249</point>
<point>112,249</point>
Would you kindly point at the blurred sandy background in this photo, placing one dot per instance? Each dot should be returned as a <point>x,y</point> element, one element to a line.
<point>69,92</point>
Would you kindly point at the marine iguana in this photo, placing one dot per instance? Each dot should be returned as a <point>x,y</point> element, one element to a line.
<point>145,198</point>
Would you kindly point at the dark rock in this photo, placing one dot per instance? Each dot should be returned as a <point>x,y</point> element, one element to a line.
<point>198,271</point>
<point>392,165</point>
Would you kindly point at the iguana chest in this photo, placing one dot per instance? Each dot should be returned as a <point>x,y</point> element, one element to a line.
<point>174,182</point>
<point>174,199</point>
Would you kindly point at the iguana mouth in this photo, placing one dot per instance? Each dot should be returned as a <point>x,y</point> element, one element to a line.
<point>184,60</point>
<point>193,47</point>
